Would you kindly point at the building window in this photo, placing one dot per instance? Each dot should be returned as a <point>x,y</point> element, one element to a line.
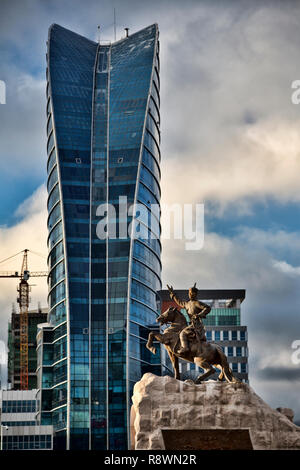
<point>238,351</point>
<point>243,367</point>
<point>18,406</point>
<point>217,335</point>
<point>243,335</point>
<point>27,442</point>
<point>208,335</point>
<point>234,367</point>
<point>225,336</point>
<point>230,351</point>
<point>234,335</point>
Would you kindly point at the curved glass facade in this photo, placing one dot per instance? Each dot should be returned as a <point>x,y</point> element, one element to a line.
<point>103,127</point>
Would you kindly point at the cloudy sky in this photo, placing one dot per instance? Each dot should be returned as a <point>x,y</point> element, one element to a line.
<point>230,140</point>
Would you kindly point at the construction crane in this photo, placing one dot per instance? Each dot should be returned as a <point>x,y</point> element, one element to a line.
<point>23,301</point>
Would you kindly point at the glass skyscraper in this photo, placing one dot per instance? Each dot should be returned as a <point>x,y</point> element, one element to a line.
<point>103,143</point>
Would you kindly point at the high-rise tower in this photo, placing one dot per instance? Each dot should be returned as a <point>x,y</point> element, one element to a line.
<point>103,143</point>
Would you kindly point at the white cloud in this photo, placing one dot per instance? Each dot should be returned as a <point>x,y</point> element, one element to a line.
<point>257,161</point>
<point>23,125</point>
<point>30,232</point>
<point>230,132</point>
<point>287,268</point>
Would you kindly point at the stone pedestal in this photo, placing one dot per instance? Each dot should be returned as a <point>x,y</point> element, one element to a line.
<point>165,411</point>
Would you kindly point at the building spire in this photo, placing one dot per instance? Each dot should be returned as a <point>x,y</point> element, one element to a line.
<point>115,25</point>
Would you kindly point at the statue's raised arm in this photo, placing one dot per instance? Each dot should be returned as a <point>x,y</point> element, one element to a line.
<point>173,296</point>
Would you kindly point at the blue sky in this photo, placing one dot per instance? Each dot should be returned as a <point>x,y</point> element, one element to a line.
<point>230,139</point>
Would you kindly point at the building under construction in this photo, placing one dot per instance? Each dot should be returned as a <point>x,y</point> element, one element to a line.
<point>13,376</point>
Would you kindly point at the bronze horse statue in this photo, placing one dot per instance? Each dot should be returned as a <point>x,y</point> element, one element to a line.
<point>202,353</point>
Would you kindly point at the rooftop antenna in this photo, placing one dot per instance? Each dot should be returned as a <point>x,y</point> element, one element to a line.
<point>115,25</point>
<point>98,34</point>
<point>126,32</point>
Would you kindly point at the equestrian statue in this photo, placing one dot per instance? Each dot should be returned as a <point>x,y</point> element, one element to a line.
<point>188,341</point>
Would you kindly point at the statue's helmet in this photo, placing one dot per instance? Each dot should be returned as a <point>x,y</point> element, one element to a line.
<point>193,290</point>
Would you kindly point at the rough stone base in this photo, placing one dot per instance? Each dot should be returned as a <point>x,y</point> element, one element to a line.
<point>164,403</point>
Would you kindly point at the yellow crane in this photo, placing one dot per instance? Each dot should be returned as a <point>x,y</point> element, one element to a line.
<point>23,301</point>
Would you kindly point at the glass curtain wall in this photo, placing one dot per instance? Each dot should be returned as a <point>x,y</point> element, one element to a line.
<point>103,127</point>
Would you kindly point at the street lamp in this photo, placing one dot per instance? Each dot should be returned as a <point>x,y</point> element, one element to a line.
<point>1,434</point>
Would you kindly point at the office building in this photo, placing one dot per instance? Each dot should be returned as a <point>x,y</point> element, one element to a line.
<point>19,429</point>
<point>223,326</point>
<point>103,144</point>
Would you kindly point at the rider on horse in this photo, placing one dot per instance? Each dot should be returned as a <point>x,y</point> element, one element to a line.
<point>196,310</point>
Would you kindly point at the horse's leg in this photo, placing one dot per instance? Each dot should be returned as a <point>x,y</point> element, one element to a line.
<point>175,363</point>
<point>230,377</point>
<point>227,372</point>
<point>153,335</point>
<point>149,344</point>
<point>221,375</point>
<point>209,370</point>
<point>150,341</point>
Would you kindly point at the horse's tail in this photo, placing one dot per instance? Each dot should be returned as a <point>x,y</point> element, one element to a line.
<point>225,366</point>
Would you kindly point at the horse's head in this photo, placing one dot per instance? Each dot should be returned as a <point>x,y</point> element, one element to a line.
<point>168,316</point>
